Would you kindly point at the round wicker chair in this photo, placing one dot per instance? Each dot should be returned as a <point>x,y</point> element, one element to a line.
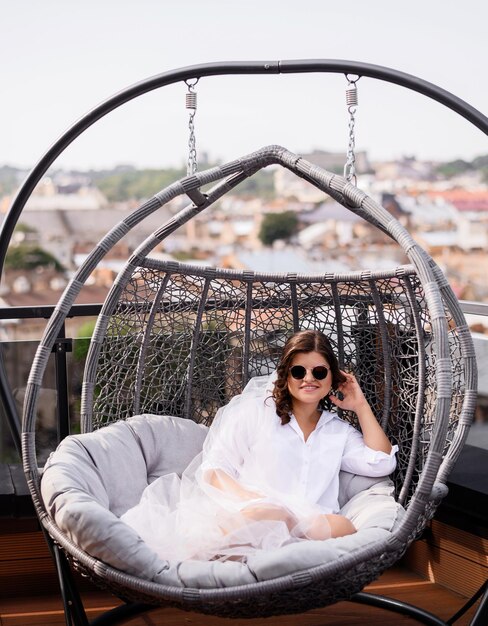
<point>175,339</point>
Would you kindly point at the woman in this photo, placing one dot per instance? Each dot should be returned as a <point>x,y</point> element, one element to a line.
<point>269,471</point>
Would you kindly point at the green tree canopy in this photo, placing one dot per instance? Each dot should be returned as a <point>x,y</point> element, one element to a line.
<point>278,226</point>
<point>453,168</point>
<point>459,166</point>
<point>26,256</point>
<point>260,184</point>
<point>136,184</point>
<point>141,184</point>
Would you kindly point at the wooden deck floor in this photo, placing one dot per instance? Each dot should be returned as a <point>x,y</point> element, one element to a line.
<point>398,583</point>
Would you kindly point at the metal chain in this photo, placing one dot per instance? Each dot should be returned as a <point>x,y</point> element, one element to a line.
<point>352,102</point>
<point>191,103</point>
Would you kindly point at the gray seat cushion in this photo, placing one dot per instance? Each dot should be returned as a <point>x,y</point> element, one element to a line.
<point>92,479</point>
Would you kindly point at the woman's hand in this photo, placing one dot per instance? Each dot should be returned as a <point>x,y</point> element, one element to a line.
<point>349,396</point>
<point>353,399</point>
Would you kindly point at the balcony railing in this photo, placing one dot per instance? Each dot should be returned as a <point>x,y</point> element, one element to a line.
<point>58,411</point>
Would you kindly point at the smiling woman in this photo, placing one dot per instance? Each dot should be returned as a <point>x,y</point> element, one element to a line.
<point>269,476</point>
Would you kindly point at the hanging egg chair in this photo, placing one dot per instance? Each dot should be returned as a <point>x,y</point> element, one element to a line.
<point>174,342</point>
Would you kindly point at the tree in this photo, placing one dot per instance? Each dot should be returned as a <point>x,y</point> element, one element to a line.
<point>26,256</point>
<point>278,226</point>
<point>260,184</point>
<point>136,184</point>
<point>453,168</point>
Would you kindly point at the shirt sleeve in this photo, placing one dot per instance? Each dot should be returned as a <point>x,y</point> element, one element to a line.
<point>230,437</point>
<point>358,458</point>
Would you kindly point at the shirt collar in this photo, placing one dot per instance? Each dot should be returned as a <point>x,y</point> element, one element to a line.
<point>325,417</point>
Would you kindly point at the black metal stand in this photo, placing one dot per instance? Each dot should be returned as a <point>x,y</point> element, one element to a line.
<point>121,613</point>
<point>74,611</point>
<point>426,617</point>
<point>390,604</point>
<point>480,618</point>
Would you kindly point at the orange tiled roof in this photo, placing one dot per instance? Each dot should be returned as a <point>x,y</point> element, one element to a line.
<point>91,294</point>
<point>463,199</point>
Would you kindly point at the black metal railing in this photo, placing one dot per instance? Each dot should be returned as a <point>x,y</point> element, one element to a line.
<point>17,357</point>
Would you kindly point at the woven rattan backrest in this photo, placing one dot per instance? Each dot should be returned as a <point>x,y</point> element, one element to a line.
<point>184,340</point>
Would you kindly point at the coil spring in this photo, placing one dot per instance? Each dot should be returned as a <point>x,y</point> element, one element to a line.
<point>351,95</point>
<point>191,100</point>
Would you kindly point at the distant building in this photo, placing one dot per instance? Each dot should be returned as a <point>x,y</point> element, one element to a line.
<point>472,233</point>
<point>326,222</point>
<point>280,259</point>
<point>334,161</point>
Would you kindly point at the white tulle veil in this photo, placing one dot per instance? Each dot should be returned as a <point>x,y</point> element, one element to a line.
<point>195,517</point>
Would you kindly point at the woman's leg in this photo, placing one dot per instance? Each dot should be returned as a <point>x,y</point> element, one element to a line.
<point>327,526</point>
<point>318,528</point>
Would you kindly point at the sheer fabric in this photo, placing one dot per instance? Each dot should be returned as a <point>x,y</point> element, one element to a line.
<point>257,485</point>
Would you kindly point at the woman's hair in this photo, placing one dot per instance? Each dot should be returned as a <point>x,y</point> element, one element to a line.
<point>303,341</point>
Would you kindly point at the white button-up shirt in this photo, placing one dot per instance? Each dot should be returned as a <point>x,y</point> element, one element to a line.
<point>250,444</point>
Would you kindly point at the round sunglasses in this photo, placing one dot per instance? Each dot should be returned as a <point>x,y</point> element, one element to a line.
<point>299,372</point>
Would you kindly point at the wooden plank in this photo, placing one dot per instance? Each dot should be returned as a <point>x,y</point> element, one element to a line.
<point>445,568</point>
<point>28,545</point>
<point>34,567</point>
<point>12,526</point>
<point>27,577</point>
<point>408,587</point>
<point>459,542</point>
<point>52,617</point>
<point>446,551</point>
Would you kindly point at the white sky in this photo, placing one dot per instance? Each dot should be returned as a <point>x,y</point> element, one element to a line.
<point>59,58</point>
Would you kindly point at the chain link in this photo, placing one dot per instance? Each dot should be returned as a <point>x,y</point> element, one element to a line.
<point>352,102</point>
<point>191,103</point>
<point>191,167</point>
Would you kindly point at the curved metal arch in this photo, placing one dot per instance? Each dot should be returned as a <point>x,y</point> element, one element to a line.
<point>218,69</point>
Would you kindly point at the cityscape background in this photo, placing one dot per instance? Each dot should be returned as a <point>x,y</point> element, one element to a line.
<point>423,162</point>
<point>420,159</point>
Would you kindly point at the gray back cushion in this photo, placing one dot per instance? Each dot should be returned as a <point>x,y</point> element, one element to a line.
<point>92,479</point>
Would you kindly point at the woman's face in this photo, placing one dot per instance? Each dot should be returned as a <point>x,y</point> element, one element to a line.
<point>309,390</point>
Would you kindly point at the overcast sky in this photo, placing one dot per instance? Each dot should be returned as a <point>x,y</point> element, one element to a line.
<point>59,58</point>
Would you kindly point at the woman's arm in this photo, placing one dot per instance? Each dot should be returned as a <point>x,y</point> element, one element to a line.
<point>219,479</point>
<point>229,443</point>
<point>354,400</point>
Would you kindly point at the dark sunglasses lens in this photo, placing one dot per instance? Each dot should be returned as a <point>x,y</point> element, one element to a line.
<point>320,372</point>
<point>298,372</point>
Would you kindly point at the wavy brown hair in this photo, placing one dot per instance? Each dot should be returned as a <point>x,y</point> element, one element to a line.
<point>303,341</point>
